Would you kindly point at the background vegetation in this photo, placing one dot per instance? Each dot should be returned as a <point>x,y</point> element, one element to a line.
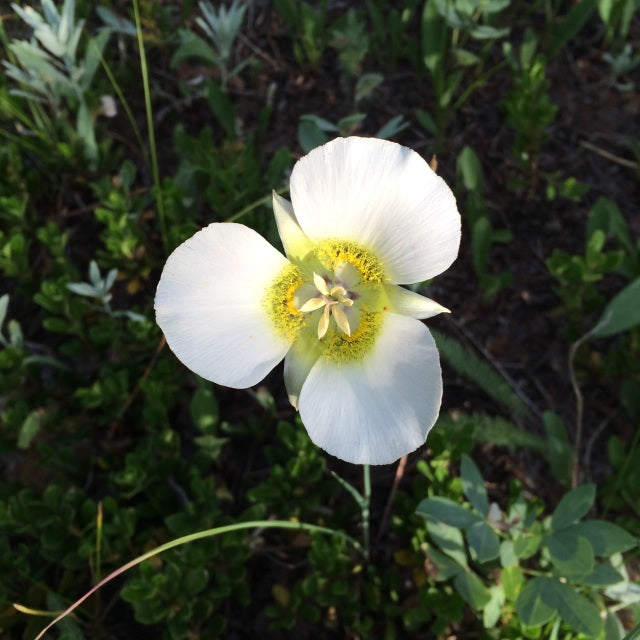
<point>128,126</point>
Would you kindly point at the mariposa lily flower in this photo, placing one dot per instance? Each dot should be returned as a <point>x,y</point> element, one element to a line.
<point>365,216</point>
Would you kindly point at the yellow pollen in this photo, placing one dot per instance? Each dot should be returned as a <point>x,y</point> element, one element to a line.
<point>278,301</point>
<point>333,252</point>
<point>350,348</point>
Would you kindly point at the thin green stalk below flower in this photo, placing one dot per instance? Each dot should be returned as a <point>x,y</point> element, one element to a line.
<point>208,533</point>
<point>152,136</point>
<point>365,506</point>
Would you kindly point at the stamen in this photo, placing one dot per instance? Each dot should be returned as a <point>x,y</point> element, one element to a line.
<point>321,285</point>
<point>341,319</point>
<point>332,299</point>
<point>312,304</point>
<point>323,325</point>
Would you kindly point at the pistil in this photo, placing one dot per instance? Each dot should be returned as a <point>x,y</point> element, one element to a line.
<point>333,300</point>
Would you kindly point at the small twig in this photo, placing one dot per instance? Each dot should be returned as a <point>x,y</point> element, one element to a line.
<point>608,155</point>
<point>402,463</point>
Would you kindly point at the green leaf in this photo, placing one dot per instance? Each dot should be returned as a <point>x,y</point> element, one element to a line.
<point>434,38</point>
<point>603,575</point>
<point>426,121</point>
<point>572,555</point>
<point>192,46</point>
<point>204,410</point>
<point>558,449</point>
<point>571,25</point>
<point>310,135</point>
<point>512,580</point>
<point>366,84</point>
<point>483,541</point>
<point>576,610</point>
<point>449,539</point>
<point>473,485</point>
<point>30,428</point>
<point>493,608</point>
<point>622,312</point>
<point>613,629</point>
<point>573,506</point>
<point>447,568</point>
<point>223,109</point>
<point>487,32</point>
<point>392,128</point>
<point>86,132</point>
<point>534,605</point>
<point>470,587</point>
<point>526,545</point>
<point>507,554</point>
<point>606,538</point>
<point>4,304</point>
<point>470,169</point>
<point>447,511</point>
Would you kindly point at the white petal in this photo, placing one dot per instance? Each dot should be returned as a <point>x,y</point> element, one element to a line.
<point>382,195</point>
<point>412,304</point>
<point>379,409</point>
<point>295,243</point>
<point>209,305</point>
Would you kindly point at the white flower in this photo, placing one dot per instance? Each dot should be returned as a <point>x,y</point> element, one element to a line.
<point>366,215</point>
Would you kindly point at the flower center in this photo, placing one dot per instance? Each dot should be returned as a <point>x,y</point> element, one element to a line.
<point>332,301</point>
<point>335,299</point>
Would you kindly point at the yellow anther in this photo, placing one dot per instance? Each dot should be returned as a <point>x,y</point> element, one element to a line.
<point>341,319</point>
<point>312,304</point>
<point>323,325</point>
<point>321,285</point>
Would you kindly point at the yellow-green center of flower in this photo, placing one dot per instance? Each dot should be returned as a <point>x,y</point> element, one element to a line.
<point>332,301</point>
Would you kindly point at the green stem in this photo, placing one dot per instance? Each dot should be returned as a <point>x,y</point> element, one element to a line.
<point>123,100</point>
<point>366,502</point>
<point>255,204</point>
<point>255,524</point>
<point>152,135</point>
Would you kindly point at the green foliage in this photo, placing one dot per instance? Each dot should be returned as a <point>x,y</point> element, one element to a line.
<point>578,275</point>
<point>221,26</point>
<point>528,108</point>
<point>108,448</point>
<point>573,557</point>
<point>308,28</point>
<point>48,71</point>
<point>478,370</point>
<point>314,131</point>
<point>457,39</point>
<point>483,235</point>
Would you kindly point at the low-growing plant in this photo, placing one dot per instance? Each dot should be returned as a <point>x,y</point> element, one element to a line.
<point>54,80</point>
<point>476,214</point>
<point>221,26</point>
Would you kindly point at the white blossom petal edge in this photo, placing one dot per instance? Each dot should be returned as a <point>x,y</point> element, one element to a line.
<point>366,216</point>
